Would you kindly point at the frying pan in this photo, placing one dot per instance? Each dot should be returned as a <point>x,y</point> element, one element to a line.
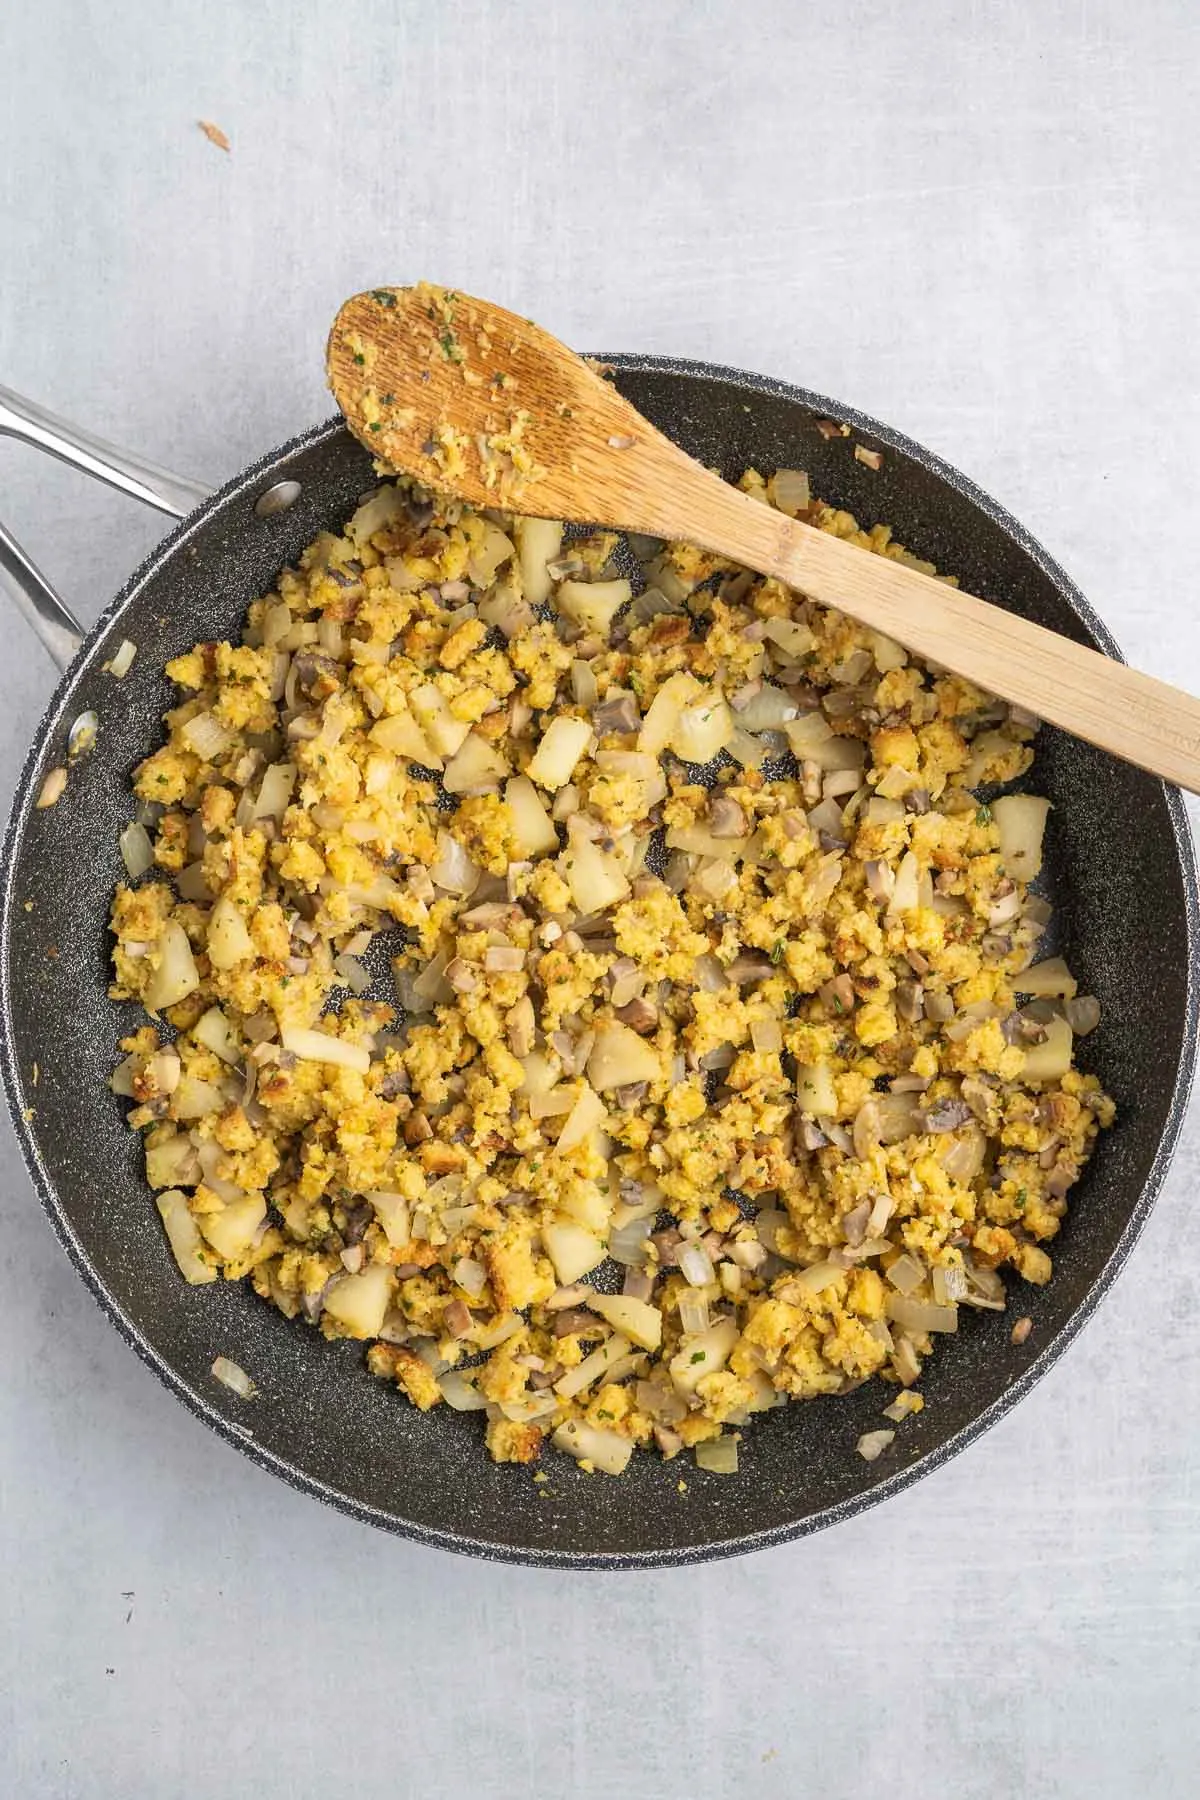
<point>1120,871</point>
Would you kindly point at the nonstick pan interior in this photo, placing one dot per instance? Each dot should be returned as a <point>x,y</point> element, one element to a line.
<point>1120,872</point>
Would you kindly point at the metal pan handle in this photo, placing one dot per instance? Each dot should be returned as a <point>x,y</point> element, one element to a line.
<point>20,577</point>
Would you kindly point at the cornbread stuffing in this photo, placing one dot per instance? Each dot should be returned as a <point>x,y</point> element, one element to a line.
<point>587,973</point>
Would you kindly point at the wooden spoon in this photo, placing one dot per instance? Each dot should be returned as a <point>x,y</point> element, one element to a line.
<point>474,401</point>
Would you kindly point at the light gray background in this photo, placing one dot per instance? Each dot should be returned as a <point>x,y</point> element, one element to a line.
<point>976,221</point>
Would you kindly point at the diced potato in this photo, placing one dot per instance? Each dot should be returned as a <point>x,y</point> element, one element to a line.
<point>607,1451</point>
<point>702,729</point>
<point>400,733</point>
<point>183,1235</point>
<point>176,975</point>
<point>705,1353</point>
<point>533,828</point>
<point>195,1099</point>
<point>887,652</point>
<point>319,1046</point>
<point>990,750</point>
<point>592,604</point>
<point>475,768</point>
<point>562,745</point>
<point>538,543</point>
<point>1021,822</point>
<point>384,505</point>
<point>585,1116</point>
<point>540,1074</point>
<point>395,1215</point>
<point>489,556</point>
<point>906,895</point>
<point>635,1319</point>
<point>359,1303</point>
<point>619,1056</point>
<point>229,941</point>
<point>592,1367</point>
<point>1048,980</point>
<point>676,692</point>
<point>275,791</point>
<point>815,1092</point>
<point>594,876</point>
<point>171,1161</point>
<point>430,708</point>
<point>1050,1061</point>
<point>697,840</point>
<point>573,1250</point>
<point>231,1231</point>
<point>213,1030</point>
<point>584,1202</point>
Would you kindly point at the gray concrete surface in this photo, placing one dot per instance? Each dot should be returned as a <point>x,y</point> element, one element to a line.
<point>978,222</point>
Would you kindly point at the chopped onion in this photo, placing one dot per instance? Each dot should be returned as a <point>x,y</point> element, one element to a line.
<point>583,684</point>
<point>627,1245</point>
<point>790,492</point>
<point>457,1218</point>
<point>592,1367</point>
<point>695,1265</point>
<point>122,660</point>
<point>949,1285</point>
<point>1048,980</point>
<point>693,1313</point>
<point>459,1394</point>
<point>747,750</point>
<point>137,852</point>
<point>818,1277</point>
<point>718,1456</point>
<point>921,1315</point>
<point>356,977</point>
<point>1083,1014</point>
<point>453,868</point>
<point>206,736</point>
<point>768,710</point>
<point>234,1377</point>
<point>793,638</point>
<point>872,1444</point>
<point>906,1274</point>
<point>470,1275</point>
<point>523,1412</point>
<point>767,1225</point>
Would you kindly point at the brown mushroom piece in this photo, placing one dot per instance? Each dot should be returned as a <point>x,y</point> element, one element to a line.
<point>725,817</point>
<point>639,1015</point>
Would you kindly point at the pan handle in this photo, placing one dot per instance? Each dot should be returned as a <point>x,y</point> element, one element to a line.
<point>32,595</point>
<point>20,578</point>
<point>132,475</point>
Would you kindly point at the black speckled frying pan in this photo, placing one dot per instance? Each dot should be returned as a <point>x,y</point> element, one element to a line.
<point>1120,871</point>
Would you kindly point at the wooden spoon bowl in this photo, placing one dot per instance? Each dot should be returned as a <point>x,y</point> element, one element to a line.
<point>472,400</point>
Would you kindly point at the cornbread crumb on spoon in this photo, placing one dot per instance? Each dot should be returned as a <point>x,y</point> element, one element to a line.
<point>471,400</point>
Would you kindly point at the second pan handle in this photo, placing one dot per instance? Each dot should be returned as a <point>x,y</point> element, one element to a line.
<point>20,577</point>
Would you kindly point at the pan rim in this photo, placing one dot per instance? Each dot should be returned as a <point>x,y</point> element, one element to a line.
<point>57,708</point>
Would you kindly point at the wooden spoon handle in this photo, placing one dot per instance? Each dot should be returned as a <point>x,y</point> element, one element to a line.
<point>1147,722</point>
